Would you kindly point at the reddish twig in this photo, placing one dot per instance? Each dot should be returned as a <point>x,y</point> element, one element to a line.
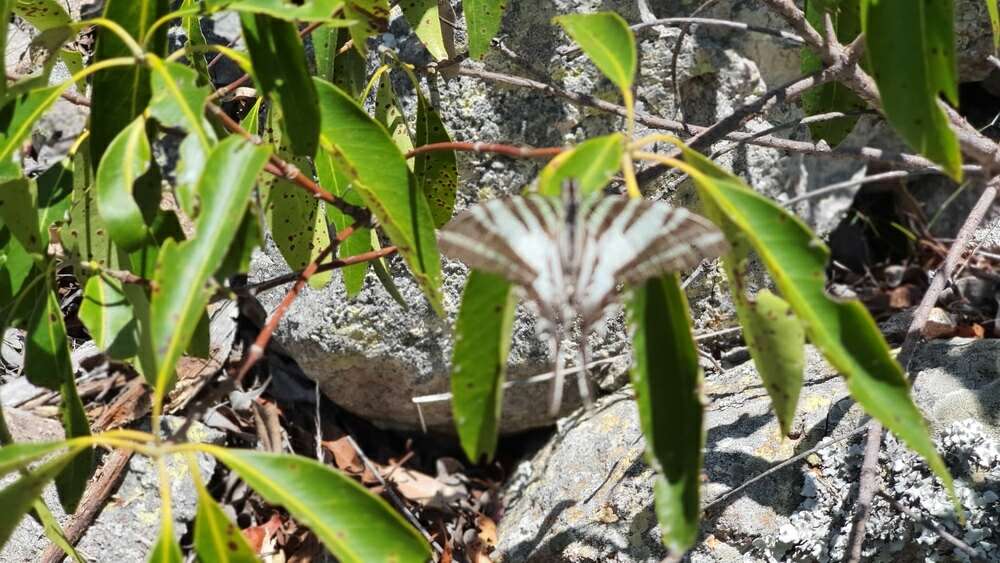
<point>506,150</point>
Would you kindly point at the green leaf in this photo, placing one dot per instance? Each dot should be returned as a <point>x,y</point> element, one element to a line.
<point>126,159</point>
<point>119,95</point>
<point>20,280</point>
<point>84,235</point>
<point>347,70</point>
<point>216,538</point>
<point>43,14</point>
<point>372,17</point>
<point>18,497</point>
<point>591,164</point>
<point>426,23</point>
<point>18,211</point>
<point>181,289</point>
<point>72,480</point>
<point>360,241</point>
<point>390,115</point>
<point>20,455</point>
<point>279,62</point>
<point>842,329</point>
<point>910,46</point>
<point>195,42</point>
<point>994,11</point>
<point>179,100</point>
<point>307,11</point>
<point>380,174</point>
<point>108,316</point>
<point>608,41</point>
<point>17,119</point>
<point>54,531</point>
<point>479,361</point>
<point>436,172</point>
<point>667,383</point>
<point>483,19</point>
<point>297,220</point>
<point>53,191</point>
<point>355,525</point>
<point>166,549</point>
<point>46,348</point>
<point>776,340</point>
<point>832,96</point>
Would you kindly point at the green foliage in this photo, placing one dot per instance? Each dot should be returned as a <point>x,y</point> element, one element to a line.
<point>912,68</point>
<point>667,381</point>
<point>19,497</point>
<point>843,330</point>
<point>370,17</point>
<point>126,160</point>
<point>379,173</point>
<point>479,362</point>
<point>591,164</point>
<point>426,23</point>
<point>436,172</point>
<point>606,38</point>
<point>305,11</point>
<point>994,12</point>
<point>166,549</point>
<point>832,96</point>
<point>216,538</point>
<point>43,14</point>
<point>108,316</point>
<point>353,524</point>
<point>483,19</point>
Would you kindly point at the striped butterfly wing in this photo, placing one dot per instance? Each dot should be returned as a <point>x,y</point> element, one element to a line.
<point>631,240</point>
<point>516,238</point>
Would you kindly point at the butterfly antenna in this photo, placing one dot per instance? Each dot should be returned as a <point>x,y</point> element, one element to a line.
<point>557,383</point>
<point>582,381</point>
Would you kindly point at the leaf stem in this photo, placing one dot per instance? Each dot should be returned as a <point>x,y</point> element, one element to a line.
<point>113,27</point>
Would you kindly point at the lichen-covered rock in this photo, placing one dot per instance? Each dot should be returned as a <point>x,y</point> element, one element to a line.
<point>587,495</point>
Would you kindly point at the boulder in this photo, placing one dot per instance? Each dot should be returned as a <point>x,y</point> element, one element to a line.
<point>587,495</point>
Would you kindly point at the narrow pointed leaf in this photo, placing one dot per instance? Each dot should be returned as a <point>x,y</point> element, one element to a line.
<point>483,19</point>
<point>20,455</point>
<point>389,113</point>
<point>179,100</point>
<point>216,538</point>
<point>108,316</point>
<point>479,362</point>
<point>360,241</point>
<point>46,348</point>
<point>380,175</point>
<point>842,329</point>
<point>436,172</point>
<point>776,340</point>
<point>17,118</point>
<point>426,23</point>
<point>183,271</point>
<point>832,96</point>
<point>18,212</point>
<point>18,497</point>
<point>993,8</point>
<point>126,159</point>
<point>71,482</point>
<point>305,11</point>
<point>279,63</point>
<point>591,164</point>
<point>119,95</point>
<point>608,41</point>
<point>371,17</point>
<point>910,47</point>
<point>166,549</point>
<point>667,381</point>
<point>54,531</point>
<point>195,41</point>
<point>355,525</point>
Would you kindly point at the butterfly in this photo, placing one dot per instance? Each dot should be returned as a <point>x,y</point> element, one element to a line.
<point>570,255</point>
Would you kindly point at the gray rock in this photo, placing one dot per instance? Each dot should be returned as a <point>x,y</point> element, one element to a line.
<point>128,525</point>
<point>587,495</point>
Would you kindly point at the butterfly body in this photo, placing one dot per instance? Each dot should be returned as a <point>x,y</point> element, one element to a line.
<point>570,255</point>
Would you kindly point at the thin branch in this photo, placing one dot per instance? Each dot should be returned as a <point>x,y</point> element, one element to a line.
<point>933,526</point>
<point>272,283</point>
<point>865,154</point>
<point>506,150</point>
<point>66,94</point>
<point>826,190</point>
<point>914,335</point>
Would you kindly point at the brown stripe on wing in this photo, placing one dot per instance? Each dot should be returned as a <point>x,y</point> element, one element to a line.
<point>472,238</point>
<point>686,239</point>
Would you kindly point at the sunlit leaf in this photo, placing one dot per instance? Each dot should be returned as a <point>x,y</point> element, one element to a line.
<point>119,95</point>
<point>591,164</point>
<point>479,361</point>
<point>181,289</point>
<point>832,96</point>
<point>18,497</point>
<point>436,172</point>
<point>482,18</point>
<point>166,549</point>
<point>43,14</point>
<point>371,17</point>
<point>360,241</point>
<point>18,211</point>
<point>667,381</point>
<point>306,10</point>
<point>994,11</point>
<point>355,525</point>
<point>842,329</point>
<point>17,119</point>
<point>606,38</point>
<point>216,538</point>
<point>380,174</point>
<point>280,69</point>
<point>179,100</point>
<point>910,47</point>
<point>390,114</point>
<point>20,455</point>
<point>126,159</point>
<point>426,23</point>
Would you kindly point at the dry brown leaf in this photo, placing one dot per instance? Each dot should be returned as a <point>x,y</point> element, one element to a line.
<point>424,489</point>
